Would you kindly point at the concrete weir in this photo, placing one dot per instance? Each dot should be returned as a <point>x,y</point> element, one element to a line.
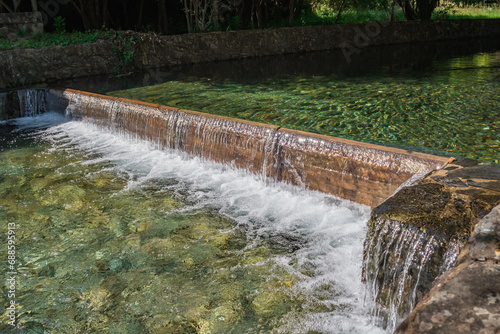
<point>364,173</point>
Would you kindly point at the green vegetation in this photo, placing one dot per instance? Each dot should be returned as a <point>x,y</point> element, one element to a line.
<point>324,16</point>
<point>456,12</point>
<point>60,25</point>
<point>42,40</point>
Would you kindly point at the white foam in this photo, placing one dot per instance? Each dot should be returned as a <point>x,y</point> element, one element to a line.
<point>41,121</point>
<point>331,230</point>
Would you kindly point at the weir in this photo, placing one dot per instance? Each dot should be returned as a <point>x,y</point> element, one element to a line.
<point>398,258</point>
<point>360,172</point>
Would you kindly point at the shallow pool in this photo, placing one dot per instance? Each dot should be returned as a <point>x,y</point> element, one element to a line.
<point>114,236</point>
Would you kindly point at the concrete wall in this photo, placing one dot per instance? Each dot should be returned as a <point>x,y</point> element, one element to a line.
<point>15,25</point>
<point>25,67</point>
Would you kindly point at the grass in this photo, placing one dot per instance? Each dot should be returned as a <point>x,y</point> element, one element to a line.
<point>457,13</point>
<point>325,15</point>
<point>42,40</point>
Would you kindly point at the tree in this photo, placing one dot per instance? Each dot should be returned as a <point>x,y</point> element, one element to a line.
<point>94,13</point>
<point>418,9</point>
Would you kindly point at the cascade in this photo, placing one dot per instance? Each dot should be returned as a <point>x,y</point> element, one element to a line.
<point>31,102</point>
<point>400,264</point>
<point>244,145</point>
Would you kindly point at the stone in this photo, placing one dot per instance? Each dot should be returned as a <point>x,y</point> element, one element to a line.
<point>435,217</point>
<point>16,25</point>
<point>466,300</point>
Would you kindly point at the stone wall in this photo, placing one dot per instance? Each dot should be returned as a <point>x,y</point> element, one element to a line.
<point>415,236</point>
<point>351,38</point>
<point>31,66</point>
<point>15,25</point>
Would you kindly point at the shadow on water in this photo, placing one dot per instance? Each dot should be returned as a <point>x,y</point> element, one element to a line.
<point>412,59</point>
<point>438,98</point>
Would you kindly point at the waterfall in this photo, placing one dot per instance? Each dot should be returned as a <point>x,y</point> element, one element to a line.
<point>361,172</point>
<point>244,145</point>
<point>400,264</point>
<point>31,102</point>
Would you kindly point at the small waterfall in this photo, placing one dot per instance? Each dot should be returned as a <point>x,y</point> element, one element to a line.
<point>243,145</point>
<point>400,264</point>
<point>402,261</point>
<point>31,102</point>
<point>140,121</point>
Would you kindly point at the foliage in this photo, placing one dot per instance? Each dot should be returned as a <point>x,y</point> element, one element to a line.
<point>43,40</point>
<point>125,45</point>
<point>60,25</point>
<point>182,16</point>
<point>492,12</point>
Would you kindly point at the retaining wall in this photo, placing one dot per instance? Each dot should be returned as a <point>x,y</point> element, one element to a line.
<point>16,25</point>
<point>31,66</point>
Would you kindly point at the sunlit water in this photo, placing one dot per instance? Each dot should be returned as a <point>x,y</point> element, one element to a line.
<point>114,236</point>
<point>449,107</point>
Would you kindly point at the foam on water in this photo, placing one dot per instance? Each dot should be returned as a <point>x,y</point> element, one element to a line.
<point>328,232</point>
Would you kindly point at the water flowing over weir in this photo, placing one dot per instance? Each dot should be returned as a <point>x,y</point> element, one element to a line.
<point>399,261</point>
<point>364,173</point>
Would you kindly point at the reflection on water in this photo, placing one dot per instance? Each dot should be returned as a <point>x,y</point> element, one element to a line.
<point>438,98</point>
<point>447,106</point>
<point>116,237</point>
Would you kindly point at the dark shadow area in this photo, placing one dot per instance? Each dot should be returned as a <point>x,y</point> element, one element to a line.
<point>413,59</point>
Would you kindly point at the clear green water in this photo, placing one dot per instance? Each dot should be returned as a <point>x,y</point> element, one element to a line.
<point>450,107</point>
<point>115,237</point>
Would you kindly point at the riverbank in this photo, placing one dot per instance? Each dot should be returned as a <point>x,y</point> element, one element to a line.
<point>131,52</point>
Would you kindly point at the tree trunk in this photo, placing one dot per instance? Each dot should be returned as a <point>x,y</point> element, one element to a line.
<point>425,9</point>
<point>407,9</point>
<point>392,10</point>
<point>340,10</point>
<point>16,4</point>
<point>162,17</point>
<point>6,6</point>
<point>189,18</point>
<point>291,7</point>
<point>258,13</point>
<point>139,18</point>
